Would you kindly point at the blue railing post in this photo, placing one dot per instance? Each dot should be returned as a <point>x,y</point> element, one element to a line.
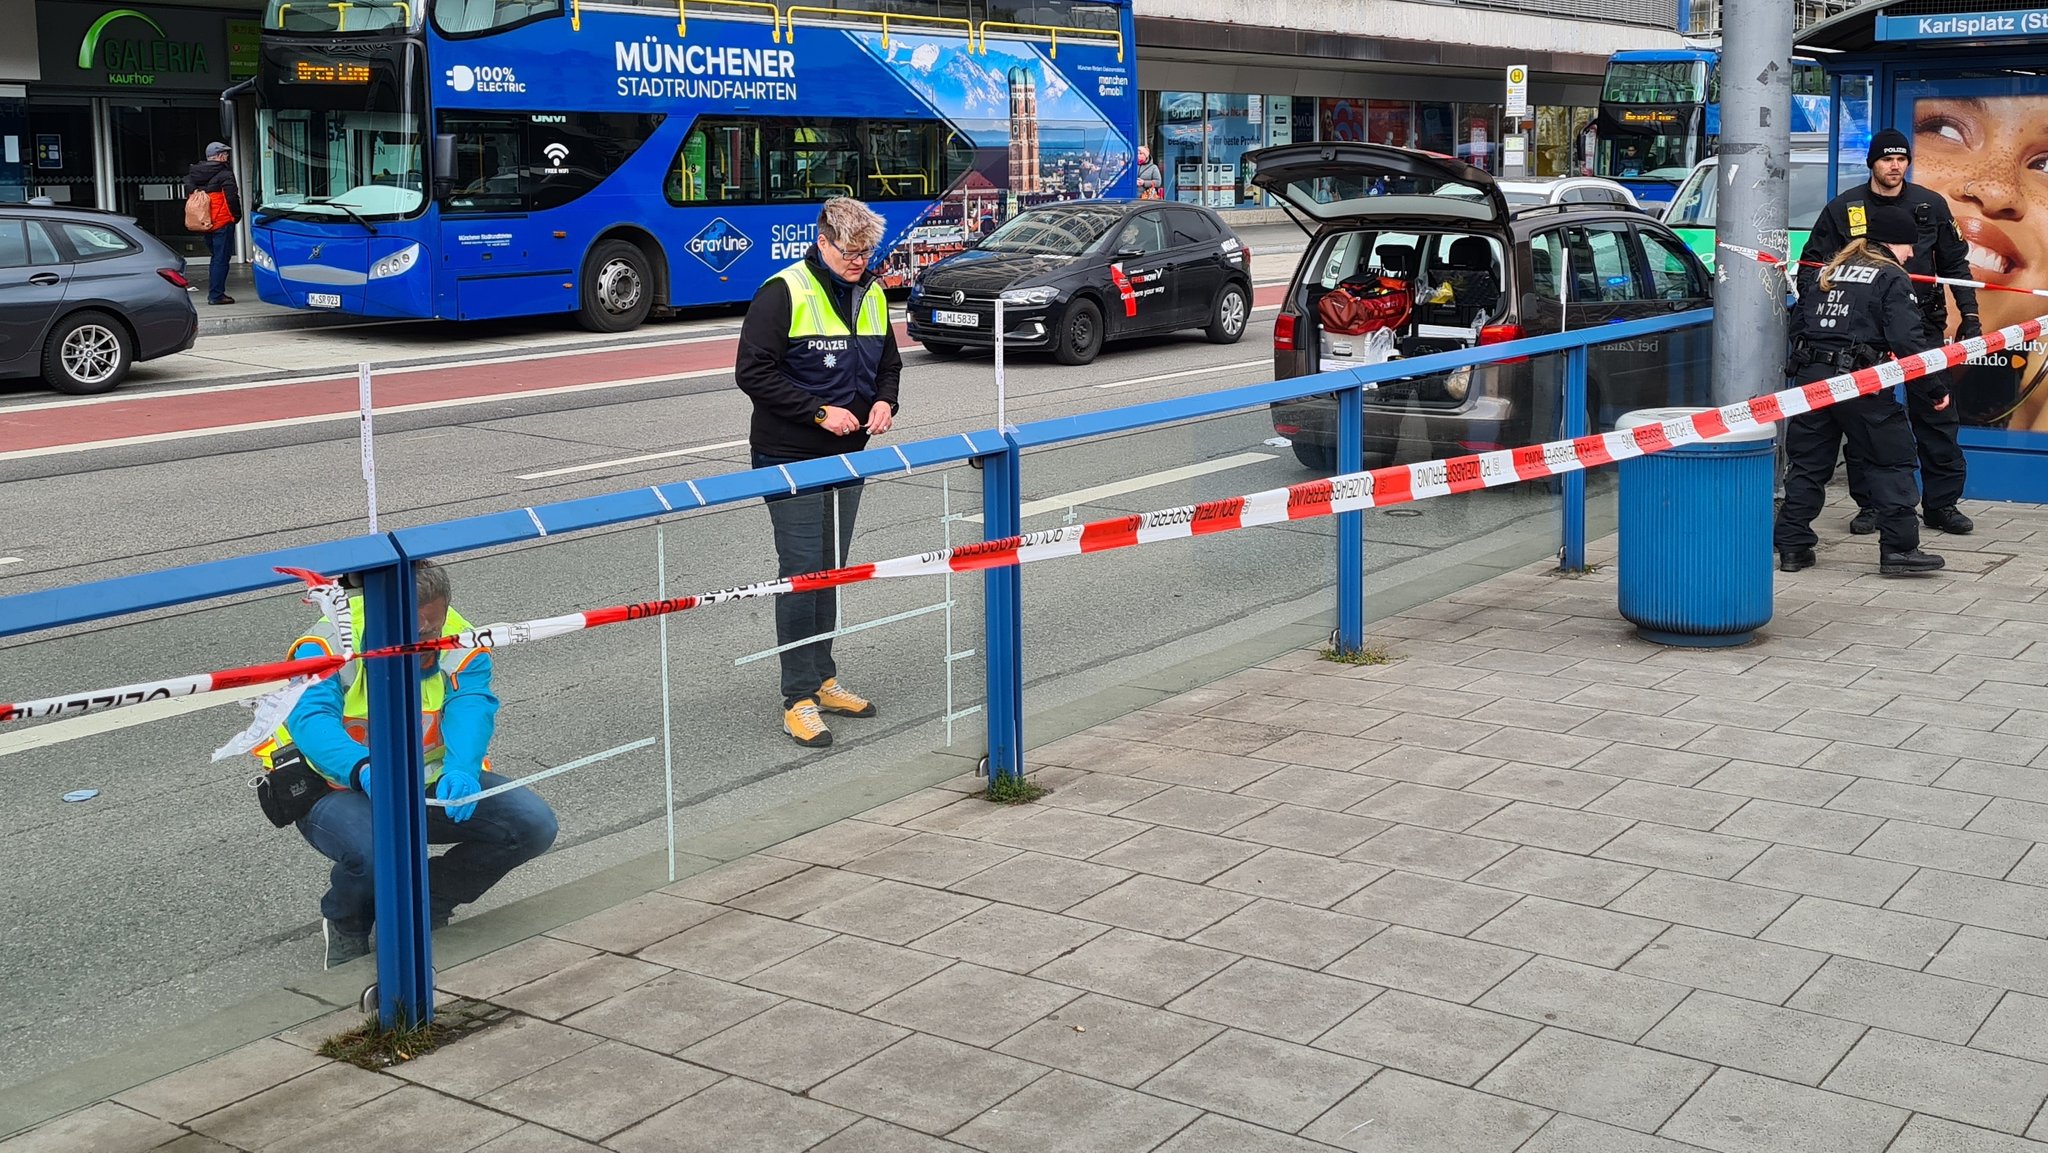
<point>1002,486</point>
<point>1351,525</point>
<point>398,811</point>
<point>1573,553</point>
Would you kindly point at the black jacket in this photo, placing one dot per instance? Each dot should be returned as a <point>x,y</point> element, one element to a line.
<point>784,425</point>
<point>1870,311</point>
<point>1940,249</point>
<point>215,176</point>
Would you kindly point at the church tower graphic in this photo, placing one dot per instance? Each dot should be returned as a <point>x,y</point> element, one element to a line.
<point>1024,173</point>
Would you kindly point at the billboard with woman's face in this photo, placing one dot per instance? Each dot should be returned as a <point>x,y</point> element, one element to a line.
<point>1985,149</point>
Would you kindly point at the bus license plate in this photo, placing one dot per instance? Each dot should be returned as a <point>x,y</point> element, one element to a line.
<point>957,319</point>
<point>323,300</point>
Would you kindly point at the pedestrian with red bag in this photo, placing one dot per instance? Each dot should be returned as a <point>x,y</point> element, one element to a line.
<point>215,215</point>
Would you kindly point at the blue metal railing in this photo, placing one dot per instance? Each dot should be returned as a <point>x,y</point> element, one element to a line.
<point>383,564</point>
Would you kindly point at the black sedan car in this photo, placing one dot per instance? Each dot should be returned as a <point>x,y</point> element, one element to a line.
<point>83,295</point>
<point>1074,274</point>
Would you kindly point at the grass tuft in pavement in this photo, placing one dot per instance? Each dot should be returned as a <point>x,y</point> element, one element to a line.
<point>1017,790</point>
<point>1370,654</point>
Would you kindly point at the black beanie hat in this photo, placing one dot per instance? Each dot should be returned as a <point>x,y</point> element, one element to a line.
<point>1890,224</point>
<point>1889,142</point>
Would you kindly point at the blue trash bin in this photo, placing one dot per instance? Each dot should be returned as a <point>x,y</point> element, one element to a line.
<point>1695,563</point>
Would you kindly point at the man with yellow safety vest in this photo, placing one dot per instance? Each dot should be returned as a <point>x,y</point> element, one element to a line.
<point>329,728</point>
<point>818,356</point>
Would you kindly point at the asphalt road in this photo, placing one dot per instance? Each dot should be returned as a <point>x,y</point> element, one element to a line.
<point>167,895</point>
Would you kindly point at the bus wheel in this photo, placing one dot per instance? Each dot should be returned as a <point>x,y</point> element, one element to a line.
<point>617,291</point>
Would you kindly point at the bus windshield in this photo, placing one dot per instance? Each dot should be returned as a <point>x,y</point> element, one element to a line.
<point>1655,82</point>
<point>1057,231</point>
<point>348,16</point>
<point>1806,194</point>
<point>341,135</point>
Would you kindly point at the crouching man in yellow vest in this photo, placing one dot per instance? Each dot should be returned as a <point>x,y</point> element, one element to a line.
<point>330,728</point>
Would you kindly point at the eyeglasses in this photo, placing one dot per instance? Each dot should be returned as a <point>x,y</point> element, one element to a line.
<point>863,255</point>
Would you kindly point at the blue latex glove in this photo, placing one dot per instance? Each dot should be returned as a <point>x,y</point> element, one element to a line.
<point>456,783</point>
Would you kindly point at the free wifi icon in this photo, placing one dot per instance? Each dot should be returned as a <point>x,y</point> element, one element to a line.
<point>556,152</point>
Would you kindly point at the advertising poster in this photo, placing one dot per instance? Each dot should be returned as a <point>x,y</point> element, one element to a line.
<point>1388,122</point>
<point>1984,154</point>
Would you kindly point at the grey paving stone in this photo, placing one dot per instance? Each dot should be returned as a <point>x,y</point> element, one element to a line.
<point>2018,1027</point>
<point>1425,902</point>
<point>1667,804</point>
<point>1704,902</point>
<point>1419,763</point>
<point>1165,851</point>
<point>796,895</point>
<point>1951,849</point>
<point>1649,763</point>
<point>513,966</point>
<point>1626,699</point>
<point>1548,827</point>
<point>1554,749</point>
<point>1160,906</point>
<point>2032,869</point>
<point>909,807</point>
<point>1102,793</point>
<point>1429,806</point>
<point>1568,1134</point>
<point>847,973</point>
<point>931,859</point>
<point>2006,817</point>
<point>1574,932</point>
<point>1323,750</point>
<point>524,1139</point>
<point>927,1083</point>
<point>1109,1039</point>
<point>1213,1134</point>
<point>1398,1112</point>
<point>1201,810</point>
<point>1075,1115</point>
<point>734,878</point>
<point>1041,881</point>
<point>1634,728</point>
<point>1977,745</point>
<point>1200,769</point>
<point>262,1120</point>
<point>102,1128</point>
<point>1837,876</point>
<point>409,1115</point>
<point>1686,850</point>
<point>871,1136</point>
<point>1010,937</point>
<point>1897,999</point>
<point>1586,998</point>
<point>1279,1000</point>
<point>599,1091</point>
<point>580,986</point>
<point>1739,744</point>
<point>839,842</point>
<point>666,1014</point>
<point>733,945</point>
<point>1887,764</point>
<point>1989,957</point>
<point>1975,901</point>
<point>892,911</point>
<point>1736,1112</point>
<point>1781,1043</point>
<point>1997,780</point>
<point>633,925</point>
<point>1598,1079</point>
<point>1922,803</point>
<point>221,1081</point>
<point>1136,966</point>
<point>1431,964</point>
<point>794,1045</point>
<point>495,1056</point>
<point>1260,1079</point>
<point>1288,933</point>
<point>1800,825</point>
<point>1564,876</point>
<point>1064,832</point>
<point>1323,788</point>
<point>1924,1134</point>
<point>1967,1085</point>
<point>1544,784</point>
<point>973,1005</point>
<point>1899,939</point>
<point>1451,855</point>
<point>1424,1035</point>
<point>1302,878</point>
<point>1775,783</point>
<point>735,1116</point>
<point>1309,830</point>
<point>1737,966</point>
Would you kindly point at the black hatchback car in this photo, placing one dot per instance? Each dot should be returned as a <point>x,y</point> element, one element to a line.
<point>1074,274</point>
<point>1477,272</point>
<point>84,295</point>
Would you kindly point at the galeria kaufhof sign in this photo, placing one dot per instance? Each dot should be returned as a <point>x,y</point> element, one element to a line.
<point>2016,24</point>
<point>117,46</point>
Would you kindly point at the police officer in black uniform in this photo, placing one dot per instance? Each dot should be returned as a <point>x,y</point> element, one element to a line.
<point>1937,246</point>
<point>1860,311</point>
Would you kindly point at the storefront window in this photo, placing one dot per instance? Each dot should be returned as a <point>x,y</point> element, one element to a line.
<point>1200,140</point>
<point>1390,122</point>
<point>1435,124</point>
<point>1340,118</point>
<point>1560,141</point>
<point>1479,136</point>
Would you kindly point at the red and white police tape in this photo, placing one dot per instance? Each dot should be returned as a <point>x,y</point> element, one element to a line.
<point>1772,258</point>
<point>1396,484</point>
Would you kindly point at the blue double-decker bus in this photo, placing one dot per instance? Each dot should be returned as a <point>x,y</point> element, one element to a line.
<point>1660,114</point>
<point>473,159</point>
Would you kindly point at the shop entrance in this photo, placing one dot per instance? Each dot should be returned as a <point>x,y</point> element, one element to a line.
<point>124,154</point>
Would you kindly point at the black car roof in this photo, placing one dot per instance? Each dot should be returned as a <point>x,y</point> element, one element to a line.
<point>45,210</point>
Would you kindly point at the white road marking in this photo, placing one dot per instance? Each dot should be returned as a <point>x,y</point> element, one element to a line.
<point>1185,372</point>
<point>93,724</point>
<point>10,560</point>
<point>349,414</point>
<point>1137,483</point>
<point>625,460</point>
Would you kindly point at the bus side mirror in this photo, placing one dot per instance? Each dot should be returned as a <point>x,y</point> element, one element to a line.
<point>444,166</point>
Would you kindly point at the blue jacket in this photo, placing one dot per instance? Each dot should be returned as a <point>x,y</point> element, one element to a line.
<point>469,718</point>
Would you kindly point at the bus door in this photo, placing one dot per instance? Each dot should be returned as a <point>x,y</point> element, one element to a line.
<point>489,265</point>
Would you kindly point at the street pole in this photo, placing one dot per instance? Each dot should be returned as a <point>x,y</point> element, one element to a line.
<point>1756,110</point>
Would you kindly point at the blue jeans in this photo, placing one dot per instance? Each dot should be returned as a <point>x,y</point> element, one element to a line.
<point>219,242</point>
<point>806,542</point>
<point>505,832</point>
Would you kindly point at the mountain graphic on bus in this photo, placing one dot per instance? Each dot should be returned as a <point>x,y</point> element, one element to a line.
<point>719,245</point>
